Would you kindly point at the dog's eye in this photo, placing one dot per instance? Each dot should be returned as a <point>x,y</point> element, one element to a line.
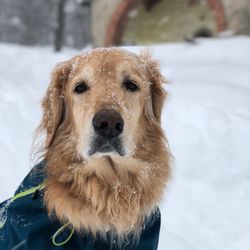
<point>81,87</point>
<point>130,85</point>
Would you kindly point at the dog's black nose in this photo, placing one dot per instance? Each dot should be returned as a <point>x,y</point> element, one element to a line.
<point>108,123</point>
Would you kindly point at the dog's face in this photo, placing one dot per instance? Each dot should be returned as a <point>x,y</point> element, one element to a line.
<point>109,91</point>
<point>107,162</point>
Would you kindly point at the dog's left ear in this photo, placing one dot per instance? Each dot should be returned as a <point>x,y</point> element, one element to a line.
<point>158,94</point>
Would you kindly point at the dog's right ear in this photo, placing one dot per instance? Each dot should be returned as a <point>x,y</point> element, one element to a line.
<point>154,105</point>
<point>53,103</point>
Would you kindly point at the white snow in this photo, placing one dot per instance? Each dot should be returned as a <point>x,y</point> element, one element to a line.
<point>207,121</point>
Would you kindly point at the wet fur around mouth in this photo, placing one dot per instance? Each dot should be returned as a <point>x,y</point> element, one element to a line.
<point>101,144</point>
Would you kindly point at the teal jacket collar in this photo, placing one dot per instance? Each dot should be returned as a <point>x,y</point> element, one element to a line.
<point>25,225</point>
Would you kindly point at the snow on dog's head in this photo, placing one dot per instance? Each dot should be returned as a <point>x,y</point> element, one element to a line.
<point>106,153</point>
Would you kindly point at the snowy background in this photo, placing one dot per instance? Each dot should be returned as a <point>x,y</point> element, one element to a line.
<point>206,119</point>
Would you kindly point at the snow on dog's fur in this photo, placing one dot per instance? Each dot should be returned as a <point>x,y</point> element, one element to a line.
<point>118,189</point>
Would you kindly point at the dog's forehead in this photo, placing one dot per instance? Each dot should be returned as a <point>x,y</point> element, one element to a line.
<point>110,56</point>
<point>108,61</point>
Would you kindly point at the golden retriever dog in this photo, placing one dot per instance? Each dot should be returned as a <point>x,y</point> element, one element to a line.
<point>107,157</point>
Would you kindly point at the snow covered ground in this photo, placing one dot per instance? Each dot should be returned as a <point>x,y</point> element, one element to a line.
<point>207,121</point>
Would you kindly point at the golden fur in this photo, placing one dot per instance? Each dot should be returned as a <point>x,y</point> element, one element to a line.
<point>106,192</point>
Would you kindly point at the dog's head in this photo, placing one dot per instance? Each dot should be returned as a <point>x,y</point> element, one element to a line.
<point>107,162</point>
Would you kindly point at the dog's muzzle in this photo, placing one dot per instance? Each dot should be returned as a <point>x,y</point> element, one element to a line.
<point>108,125</point>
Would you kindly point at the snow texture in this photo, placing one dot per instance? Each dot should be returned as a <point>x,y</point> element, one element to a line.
<point>206,119</point>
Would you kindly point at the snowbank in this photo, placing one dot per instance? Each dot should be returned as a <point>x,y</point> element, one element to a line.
<point>206,119</point>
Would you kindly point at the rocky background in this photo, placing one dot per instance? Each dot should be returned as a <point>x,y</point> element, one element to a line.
<point>115,22</point>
